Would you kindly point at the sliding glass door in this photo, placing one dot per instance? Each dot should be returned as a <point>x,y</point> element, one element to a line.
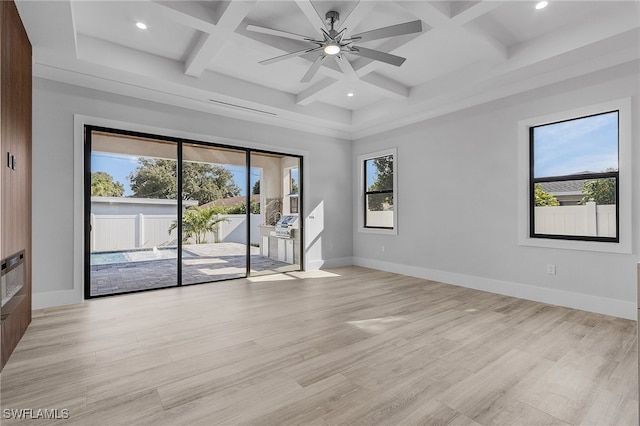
<point>214,231</point>
<point>132,206</point>
<point>163,212</point>
<point>278,190</point>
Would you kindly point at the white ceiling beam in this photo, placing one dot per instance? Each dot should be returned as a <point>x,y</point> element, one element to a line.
<point>315,92</point>
<point>569,39</point>
<point>372,120</point>
<point>493,46</point>
<point>429,13</point>
<point>382,85</point>
<point>378,83</point>
<point>358,13</point>
<point>114,63</point>
<point>438,20</point>
<point>475,11</point>
<point>230,15</point>
<point>57,31</point>
<point>191,14</point>
<point>205,49</point>
<point>386,86</point>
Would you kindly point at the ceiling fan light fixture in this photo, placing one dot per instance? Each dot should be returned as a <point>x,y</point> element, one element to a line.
<point>337,44</point>
<point>331,49</point>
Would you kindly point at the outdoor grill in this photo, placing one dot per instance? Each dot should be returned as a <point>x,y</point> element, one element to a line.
<point>285,226</point>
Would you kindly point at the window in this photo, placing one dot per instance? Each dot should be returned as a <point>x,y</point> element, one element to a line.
<point>379,185</point>
<point>574,178</point>
<point>292,188</point>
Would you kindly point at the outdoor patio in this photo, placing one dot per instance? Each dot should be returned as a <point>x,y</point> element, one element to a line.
<point>200,263</point>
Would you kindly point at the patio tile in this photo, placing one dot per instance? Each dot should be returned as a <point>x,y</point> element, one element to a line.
<point>209,263</point>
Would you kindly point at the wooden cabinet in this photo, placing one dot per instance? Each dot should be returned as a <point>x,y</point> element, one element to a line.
<point>15,165</point>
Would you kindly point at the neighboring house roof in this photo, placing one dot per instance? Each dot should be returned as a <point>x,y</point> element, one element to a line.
<point>132,200</point>
<point>565,186</point>
<point>231,201</point>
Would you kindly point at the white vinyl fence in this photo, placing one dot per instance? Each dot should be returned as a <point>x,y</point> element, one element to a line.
<point>380,218</point>
<point>587,220</point>
<point>126,232</point>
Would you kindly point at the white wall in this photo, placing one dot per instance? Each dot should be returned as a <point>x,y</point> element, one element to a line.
<point>457,203</point>
<point>56,231</point>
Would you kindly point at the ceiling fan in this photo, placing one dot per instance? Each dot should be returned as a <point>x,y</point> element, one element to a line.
<point>335,43</point>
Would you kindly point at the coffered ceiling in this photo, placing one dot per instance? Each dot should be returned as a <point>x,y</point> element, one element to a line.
<point>200,55</point>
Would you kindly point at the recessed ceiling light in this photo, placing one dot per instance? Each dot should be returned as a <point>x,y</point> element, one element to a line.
<point>542,5</point>
<point>141,25</point>
<point>350,94</point>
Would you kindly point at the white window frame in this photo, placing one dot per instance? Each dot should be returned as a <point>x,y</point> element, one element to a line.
<point>361,190</point>
<point>624,245</point>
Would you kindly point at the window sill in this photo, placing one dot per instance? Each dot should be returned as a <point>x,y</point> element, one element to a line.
<point>379,231</point>
<point>598,246</point>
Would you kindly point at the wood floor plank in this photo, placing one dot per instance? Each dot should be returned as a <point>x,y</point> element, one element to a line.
<point>483,395</point>
<point>341,347</point>
<point>611,409</point>
<point>559,340</point>
<point>568,390</point>
<point>519,413</point>
<point>264,392</point>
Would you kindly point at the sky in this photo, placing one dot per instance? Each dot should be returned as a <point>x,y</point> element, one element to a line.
<point>120,166</point>
<point>372,173</point>
<point>575,146</point>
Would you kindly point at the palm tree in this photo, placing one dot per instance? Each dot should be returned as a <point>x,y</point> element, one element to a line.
<point>196,222</point>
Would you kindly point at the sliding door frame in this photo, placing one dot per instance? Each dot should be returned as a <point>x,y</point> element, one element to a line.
<point>88,129</point>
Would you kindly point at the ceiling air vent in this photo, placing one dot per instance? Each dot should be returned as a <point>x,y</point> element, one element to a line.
<point>227,104</point>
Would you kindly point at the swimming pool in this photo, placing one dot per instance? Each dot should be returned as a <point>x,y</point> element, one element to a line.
<point>107,258</point>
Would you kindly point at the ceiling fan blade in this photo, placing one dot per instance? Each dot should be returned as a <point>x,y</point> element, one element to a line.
<point>391,31</point>
<point>313,69</point>
<point>309,10</point>
<point>290,55</point>
<point>377,55</point>
<point>279,33</point>
<point>346,67</point>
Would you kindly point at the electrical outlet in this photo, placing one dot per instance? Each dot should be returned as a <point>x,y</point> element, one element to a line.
<point>551,269</point>
<point>383,248</point>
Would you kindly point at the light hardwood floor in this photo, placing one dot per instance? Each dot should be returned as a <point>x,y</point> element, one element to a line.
<point>348,346</point>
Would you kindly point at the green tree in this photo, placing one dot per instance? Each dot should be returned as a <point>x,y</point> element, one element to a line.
<point>197,222</point>
<point>256,188</point>
<point>543,198</point>
<point>157,178</point>
<point>602,191</point>
<point>384,181</point>
<point>242,209</point>
<point>103,185</point>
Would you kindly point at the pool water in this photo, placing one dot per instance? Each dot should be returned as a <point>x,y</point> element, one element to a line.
<point>107,258</point>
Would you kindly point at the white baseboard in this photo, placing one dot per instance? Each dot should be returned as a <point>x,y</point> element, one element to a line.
<point>585,302</point>
<point>314,265</point>
<point>55,298</point>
